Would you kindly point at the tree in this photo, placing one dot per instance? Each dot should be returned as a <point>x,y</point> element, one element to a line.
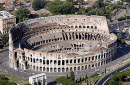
<point>11,83</point>
<point>8,29</point>
<point>61,7</point>
<point>4,39</point>
<point>72,77</point>
<point>67,76</point>
<point>20,3</point>
<point>22,14</point>
<point>3,82</point>
<point>105,70</point>
<point>2,8</point>
<point>119,37</point>
<point>123,41</point>
<point>2,77</point>
<point>80,80</point>
<point>38,4</point>
<point>26,1</point>
<point>86,76</point>
<point>62,80</point>
<point>81,11</point>
<point>87,82</point>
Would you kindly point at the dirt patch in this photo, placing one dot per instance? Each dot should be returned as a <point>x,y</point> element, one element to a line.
<point>41,11</point>
<point>126,83</point>
<point>92,1</point>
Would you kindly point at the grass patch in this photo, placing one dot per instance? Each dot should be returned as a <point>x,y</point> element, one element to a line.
<point>2,53</point>
<point>16,79</point>
<point>96,78</point>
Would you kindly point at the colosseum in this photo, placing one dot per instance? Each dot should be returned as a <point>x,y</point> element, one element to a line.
<point>61,43</point>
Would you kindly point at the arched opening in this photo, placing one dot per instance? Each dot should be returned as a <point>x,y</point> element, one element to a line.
<point>54,69</point>
<point>47,69</point>
<point>51,69</point>
<point>58,62</point>
<point>95,64</point>
<point>17,63</point>
<point>63,70</point>
<point>43,68</point>
<point>40,68</point>
<point>43,61</point>
<point>74,68</point>
<point>63,62</point>
<point>70,68</point>
<point>82,60</point>
<point>47,62</point>
<point>79,68</point>
<point>37,68</point>
<point>78,60</point>
<point>89,66</point>
<point>85,67</point>
<point>15,55</point>
<point>71,61</point>
<point>99,64</point>
<point>33,67</point>
<point>67,69</point>
<point>59,70</point>
<point>74,60</point>
<point>82,67</point>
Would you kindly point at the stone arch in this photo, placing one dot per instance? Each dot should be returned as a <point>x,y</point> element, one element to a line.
<point>37,68</point>
<point>79,68</point>
<point>40,68</point>
<point>59,70</point>
<point>89,67</point>
<point>51,69</point>
<point>44,69</point>
<point>74,60</point>
<point>85,67</point>
<point>95,64</point>
<point>98,63</point>
<point>55,70</point>
<point>33,67</point>
<point>70,68</point>
<point>74,68</point>
<point>67,69</point>
<point>63,69</point>
<point>82,68</point>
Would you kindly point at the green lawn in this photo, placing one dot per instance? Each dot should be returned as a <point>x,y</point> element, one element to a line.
<point>16,79</point>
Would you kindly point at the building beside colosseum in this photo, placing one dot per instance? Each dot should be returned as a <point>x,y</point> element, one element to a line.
<point>61,43</point>
<point>6,21</point>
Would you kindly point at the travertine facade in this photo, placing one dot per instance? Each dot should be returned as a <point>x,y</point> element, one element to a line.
<point>6,20</point>
<point>61,43</point>
<point>40,79</point>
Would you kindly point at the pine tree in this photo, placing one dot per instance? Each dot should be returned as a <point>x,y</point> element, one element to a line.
<point>86,76</point>
<point>105,70</point>
<point>72,77</point>
<point>67,76</point>
<point>87,82</point>
<point>80,80</point>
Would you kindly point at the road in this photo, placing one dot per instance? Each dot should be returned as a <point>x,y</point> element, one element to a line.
<point>105,78</point>
<point>117,25</point>
<point>120,14</point>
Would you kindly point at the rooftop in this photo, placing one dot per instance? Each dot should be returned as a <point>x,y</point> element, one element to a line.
<point>5,15</point>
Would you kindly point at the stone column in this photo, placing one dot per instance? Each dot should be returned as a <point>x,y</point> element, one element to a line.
<point>61,63</point>
<point>65,64</point>
<point>37,80</point>
<point>49,63</point>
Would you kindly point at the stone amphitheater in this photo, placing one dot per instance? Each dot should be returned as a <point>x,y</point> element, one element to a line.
<point>61,43</point>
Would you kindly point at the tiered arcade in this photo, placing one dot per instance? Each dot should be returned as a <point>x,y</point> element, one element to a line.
<point>61,43</point>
